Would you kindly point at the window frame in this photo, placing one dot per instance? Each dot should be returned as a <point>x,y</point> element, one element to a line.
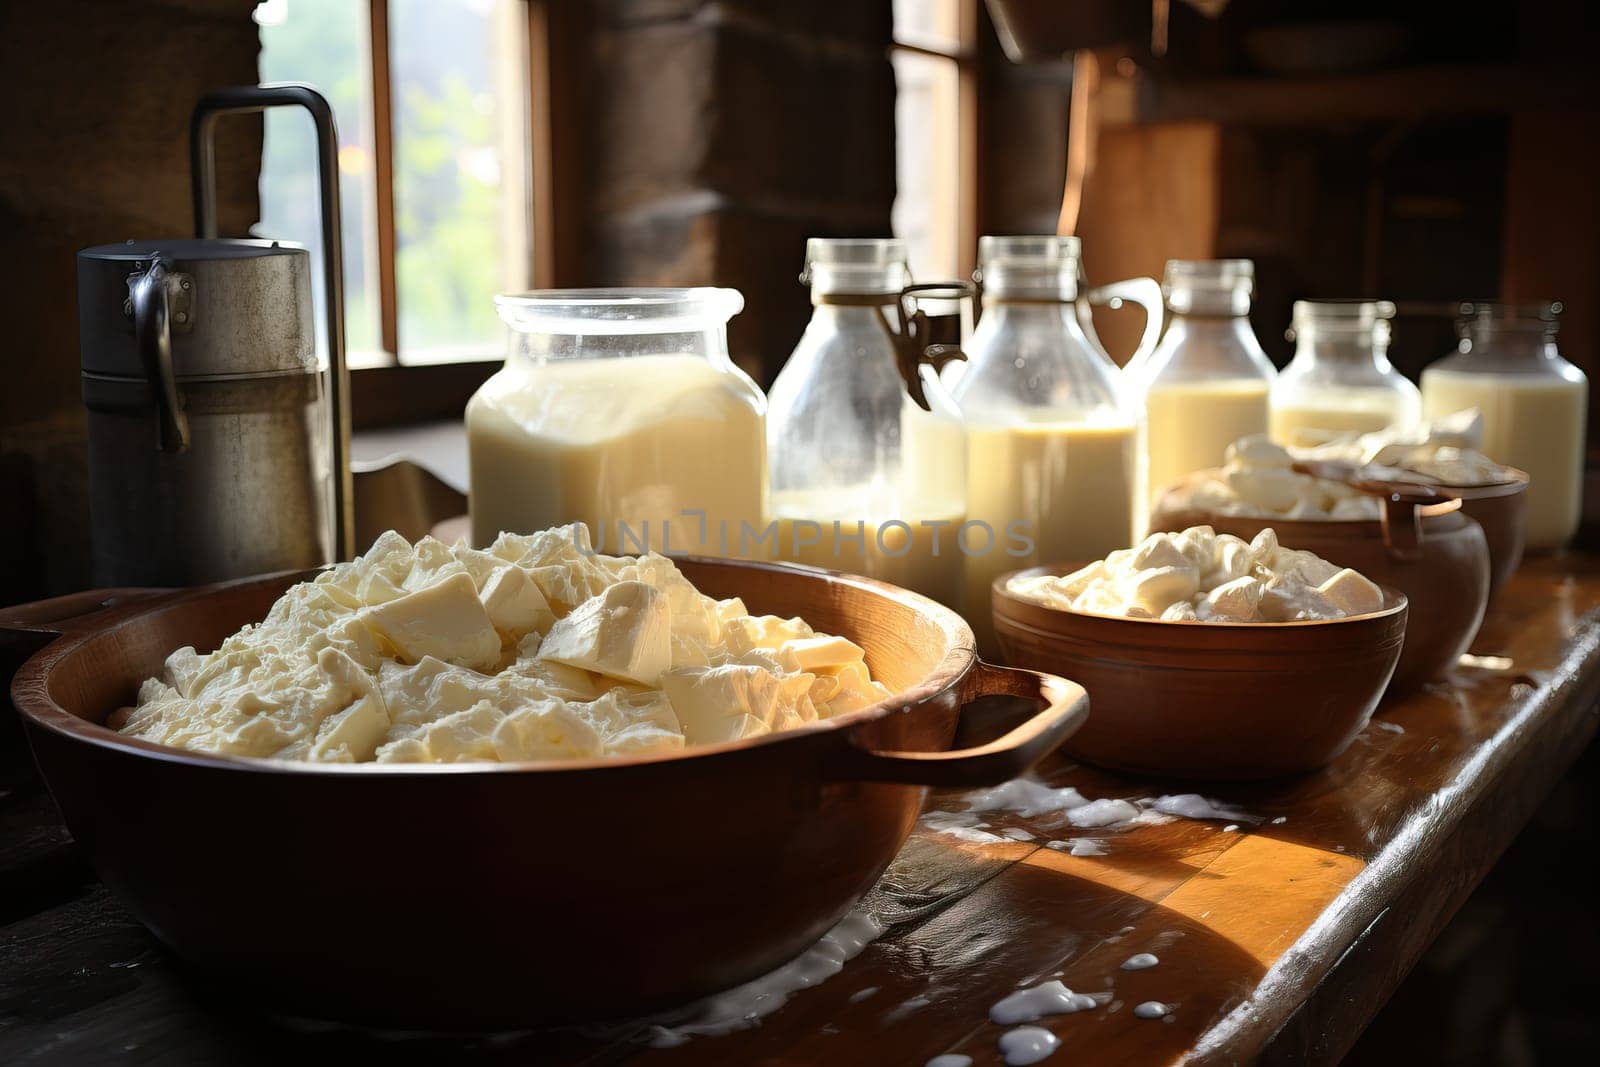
<point>394,392</point>
<point>965,54</point>
<point>397,393</point>
<point>536,194</point>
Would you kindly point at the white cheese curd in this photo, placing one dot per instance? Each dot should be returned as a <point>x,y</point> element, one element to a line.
<point>535,649</point>
<point>1257,478</point>
<point>1202,576</point>
<point>1445,451</point>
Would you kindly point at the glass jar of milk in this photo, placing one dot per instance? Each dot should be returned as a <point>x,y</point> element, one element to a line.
<point>1340,380</point>
<point>620,408</point>
<point>863,479</point>
<point>1206,384</point>
<point>1051,441</point>
<point>1533,402</point>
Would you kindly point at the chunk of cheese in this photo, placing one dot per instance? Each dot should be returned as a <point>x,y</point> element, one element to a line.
<point>704,698</point>
<point>622,633</point>
<point>445,620</point>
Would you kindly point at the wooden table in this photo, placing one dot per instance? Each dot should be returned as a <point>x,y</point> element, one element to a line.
<point>1278,941</point>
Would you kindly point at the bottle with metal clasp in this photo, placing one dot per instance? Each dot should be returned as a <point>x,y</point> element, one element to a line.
<point>866,452</point>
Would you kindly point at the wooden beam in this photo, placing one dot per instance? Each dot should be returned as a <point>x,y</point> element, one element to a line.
<point>967,187</point>
<point>564,71</point>
<point>383,170</point>
<point>1404,94</point>
<point>541,149</point>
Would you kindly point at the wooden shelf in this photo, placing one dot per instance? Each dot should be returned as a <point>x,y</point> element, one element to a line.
<point>1399,95</point>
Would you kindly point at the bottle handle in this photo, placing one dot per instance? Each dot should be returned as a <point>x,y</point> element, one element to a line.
<point>1146,292</point>
<point>925,342</point>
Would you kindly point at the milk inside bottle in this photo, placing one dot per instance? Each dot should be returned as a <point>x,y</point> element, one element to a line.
<point>1533,402</point>
<point>1207,382</point>
<point>1051,442</point>
<point>1340,380</point>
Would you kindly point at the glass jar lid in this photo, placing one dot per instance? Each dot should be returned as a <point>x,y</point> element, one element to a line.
<point>866,266</point>
<point>1029,266</point>
<point>1209,286</point>
<point>1346,320</point>
<point>1534,316</point>
<point>613,312</point>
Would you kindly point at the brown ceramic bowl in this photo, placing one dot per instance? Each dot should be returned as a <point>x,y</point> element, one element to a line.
<point>1208,700</point>
<point>1501,508</point>
<point>479,896</point>
<point>1444,572</point>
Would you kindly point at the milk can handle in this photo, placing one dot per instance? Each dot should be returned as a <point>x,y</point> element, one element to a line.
<point>240,99</point>
<point>152,330</point>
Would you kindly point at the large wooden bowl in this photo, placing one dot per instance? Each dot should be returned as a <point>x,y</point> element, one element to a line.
<point>1444,574</point>
<point>1204,700</point>
<point>476,896</point>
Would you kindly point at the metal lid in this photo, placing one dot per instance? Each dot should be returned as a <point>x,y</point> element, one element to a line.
<point>236,307</point>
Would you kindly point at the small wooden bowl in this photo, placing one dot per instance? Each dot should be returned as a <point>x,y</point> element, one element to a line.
<point>1203,700</point>
<point>1444,573</point>
<point>1501,508</point>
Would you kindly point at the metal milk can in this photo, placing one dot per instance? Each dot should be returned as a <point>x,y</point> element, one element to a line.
<point>218,442</point>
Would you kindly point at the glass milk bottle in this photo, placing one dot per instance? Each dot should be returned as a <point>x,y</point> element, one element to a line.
<point>1340,380</point>
<point>863,479</point>
<point>1533,402</point>
<point>1051,442</point>
<point>619,408</point>
<point>1206,384</point>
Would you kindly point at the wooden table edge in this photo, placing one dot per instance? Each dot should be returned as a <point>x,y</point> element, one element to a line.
<point>1353,933</point>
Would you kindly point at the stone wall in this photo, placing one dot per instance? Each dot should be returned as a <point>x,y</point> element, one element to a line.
<point>93,149</point>
<point>720,135</point>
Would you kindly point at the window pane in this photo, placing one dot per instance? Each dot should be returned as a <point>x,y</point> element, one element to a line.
<point>934,24</point>
<point>459,73</point>
<point>323,43</point>
<point>927,163</point>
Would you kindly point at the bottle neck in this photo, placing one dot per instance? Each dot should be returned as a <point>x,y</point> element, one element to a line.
<point>856,283</point>
<point>1002,313</point>
<point>1206,320</point>
<point>1209,302</point>
<point>1211,328</point>
<point>1530,344</point>
<point>1008,283</point>
<point>833,299</point>
<point>1343,350</point>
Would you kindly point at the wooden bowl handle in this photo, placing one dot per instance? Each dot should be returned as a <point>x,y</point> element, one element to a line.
<point>72,613</point>
<point>1066,708</point>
